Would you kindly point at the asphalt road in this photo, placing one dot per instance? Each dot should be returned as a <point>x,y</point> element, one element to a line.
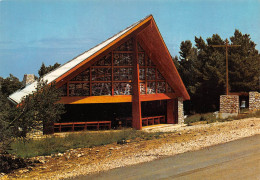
<point>234,160</point>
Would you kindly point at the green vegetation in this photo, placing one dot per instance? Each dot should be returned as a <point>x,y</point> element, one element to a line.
<point>202,68</point>
<point>246,115</point>
<point>36,111</point>
<point>207,117</point>
<point>211,117</point>
<point>45,69</point>
<point>54,144</point>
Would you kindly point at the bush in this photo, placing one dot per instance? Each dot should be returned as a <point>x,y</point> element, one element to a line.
<point>8,163</point>
<point>192,119</point>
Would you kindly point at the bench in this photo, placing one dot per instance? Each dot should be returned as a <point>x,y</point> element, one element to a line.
<point>127,121</point>
<point>153,120</point>
<point>84,125</point>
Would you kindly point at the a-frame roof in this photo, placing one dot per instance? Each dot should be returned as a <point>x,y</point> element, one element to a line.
<point>148,36</point>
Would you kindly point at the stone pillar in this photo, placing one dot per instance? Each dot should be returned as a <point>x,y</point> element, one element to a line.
<point>229,106</point>
<point>180,111</point>
<point>254,101</point>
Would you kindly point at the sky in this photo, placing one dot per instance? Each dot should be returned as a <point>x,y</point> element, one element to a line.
<point>50,31</point>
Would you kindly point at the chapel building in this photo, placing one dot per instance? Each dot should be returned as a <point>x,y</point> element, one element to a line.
<point>128,80</point>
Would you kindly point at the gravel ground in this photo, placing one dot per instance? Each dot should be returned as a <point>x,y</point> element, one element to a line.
<point>177,140</point>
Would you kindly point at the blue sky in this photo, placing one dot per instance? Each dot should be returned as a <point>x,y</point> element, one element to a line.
<point>49,31</point>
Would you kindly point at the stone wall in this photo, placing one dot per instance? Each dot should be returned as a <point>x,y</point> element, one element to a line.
<point>229,105</point>
<point>180,111</point>
<point>35,133</point>
<point>254,101</point>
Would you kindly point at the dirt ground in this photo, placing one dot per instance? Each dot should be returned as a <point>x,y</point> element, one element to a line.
<point>179,140</point>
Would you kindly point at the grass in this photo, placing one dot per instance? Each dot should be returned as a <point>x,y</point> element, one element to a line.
<point>53,144</point>
<point>211,117</point>
<point>246,115</point>
<point>207,117</point>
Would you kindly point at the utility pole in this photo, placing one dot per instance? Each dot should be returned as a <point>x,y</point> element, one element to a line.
<point>227,46</point>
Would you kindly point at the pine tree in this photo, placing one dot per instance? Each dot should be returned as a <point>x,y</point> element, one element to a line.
<point>9,85</point>
<point>244,69</point>
<point>202,69</point>
<point>44,70</point>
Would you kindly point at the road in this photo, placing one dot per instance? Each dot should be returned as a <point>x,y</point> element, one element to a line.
<point>234,160</point>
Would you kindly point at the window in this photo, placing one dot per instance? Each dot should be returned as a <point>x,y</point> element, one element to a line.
<point>112,75</point>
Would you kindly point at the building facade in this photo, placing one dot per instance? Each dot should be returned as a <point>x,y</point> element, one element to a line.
<point>129,76</point>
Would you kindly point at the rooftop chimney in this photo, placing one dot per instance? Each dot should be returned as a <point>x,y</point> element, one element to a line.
<point>28,79</point>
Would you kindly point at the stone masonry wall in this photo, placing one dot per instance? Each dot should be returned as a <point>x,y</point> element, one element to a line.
<point>254,101</point>
<point>180,111</point>
<point>229,104</point>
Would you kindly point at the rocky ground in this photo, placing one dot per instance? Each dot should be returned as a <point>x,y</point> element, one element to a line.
<point>176,140</point>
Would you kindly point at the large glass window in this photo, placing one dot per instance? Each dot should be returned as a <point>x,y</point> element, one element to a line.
<point>123,74</point>
<point>105,61</point>
<point>101,74</point>
<point>151,88</point>
<point>161,88</point>
<point>83,76</point>
<point>151,80</point>
<point>141,59</point>
<point>142,73</point>
<point>101,89</point>
<point>63,90</point>
<point>113,73</point>
<point>122,88</point>
<point>142,88</point>
<point>150,74</point>
<point>127,46</point>
<point>123,59</point>
<point>79,89</point>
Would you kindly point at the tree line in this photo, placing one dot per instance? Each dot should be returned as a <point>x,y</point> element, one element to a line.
<point>203,69</point>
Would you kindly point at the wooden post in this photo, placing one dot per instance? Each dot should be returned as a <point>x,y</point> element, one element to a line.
<point>136,104</point>
<point>170,111</point>
<point>226,46</point>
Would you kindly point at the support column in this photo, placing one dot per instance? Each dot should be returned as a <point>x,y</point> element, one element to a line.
<point>136,104</point>
<point>180,110</point>
<point>171,111</point>
<point>229,106</point>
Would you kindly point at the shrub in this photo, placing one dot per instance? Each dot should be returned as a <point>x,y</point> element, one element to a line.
<point>8,163</point>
